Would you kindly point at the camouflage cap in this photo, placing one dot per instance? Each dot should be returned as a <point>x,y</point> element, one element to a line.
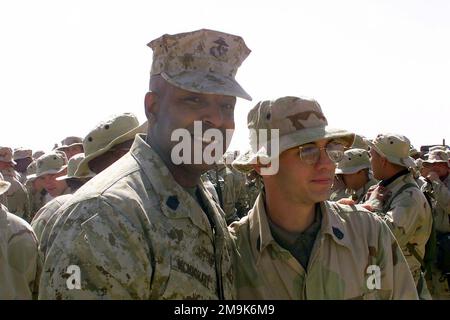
<point>298,121</point>
<point>436,156</point>
<point>107,134</point>
<point>353,161</point>
<point>37,154</point>
<point>394,147</point>
<point>72,167</point>
<point>359,143</point>
<point>69,142</point>
<point>203,61</point>
<point>438,147</point>
<point>6,155</point>
<point>21,153</point>
<point>50,163</point>
<point>4,185</point>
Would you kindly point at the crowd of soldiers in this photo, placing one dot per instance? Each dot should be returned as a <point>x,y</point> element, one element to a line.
<point>137,226</point>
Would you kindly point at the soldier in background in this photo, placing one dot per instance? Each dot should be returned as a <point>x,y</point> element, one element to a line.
<point>35,188</point>
<point>153,230</point>
<point>20,265</point>
<point>71,146</point>
<point>296,245</point>
<point>22,158</point>
<point>354,171</point>
<point>405,208</point>
<point>436,184</point>
<point>17,195</point>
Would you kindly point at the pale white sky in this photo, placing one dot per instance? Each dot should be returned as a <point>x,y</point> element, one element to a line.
<point>374,66</point>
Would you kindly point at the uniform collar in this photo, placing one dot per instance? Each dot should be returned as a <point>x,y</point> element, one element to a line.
<point>261,237</point>
<point>175,202</point>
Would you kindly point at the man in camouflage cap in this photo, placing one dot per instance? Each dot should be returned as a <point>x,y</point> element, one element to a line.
<point>22,157</point>
<point>20,265</point>
<point>145,227</point>
<point>436,184</point>
<point>36,192</point>
<point>71,146</point>
<point>49,167</point>
<point>17,195</point>
<point>105,144</point>
<point>404,207</point>
<point>296,245</point>
<point>354,171</point>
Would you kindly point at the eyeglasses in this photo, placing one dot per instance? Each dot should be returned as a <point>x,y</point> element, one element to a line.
<point>311,153</point>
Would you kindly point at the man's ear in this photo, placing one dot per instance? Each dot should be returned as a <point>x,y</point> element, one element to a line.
<point>151,103</point>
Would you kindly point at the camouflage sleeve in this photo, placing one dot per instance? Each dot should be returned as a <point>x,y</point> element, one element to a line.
<point>403,216</point>
<point>395,270</point>
<point>442,195</point>
<point>97,254</point>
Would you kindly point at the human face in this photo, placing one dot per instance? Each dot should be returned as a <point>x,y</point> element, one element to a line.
<point>303,182</point>
<point>54,187</point>
<point>100,163</point>
<point>175,108</point>
<point>22,164</point>
<point>376,162</point>
<point>440,168</point>
<point>355,181</point>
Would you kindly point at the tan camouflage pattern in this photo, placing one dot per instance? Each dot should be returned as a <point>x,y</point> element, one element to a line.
<point>409,217</point>
<point>350,240</point>
<point>357,196</point>
<point>20,264</point>
<point>299,121</point>
<point>50,163</point>
<point>136,234</point>
<point>394,147</point>
<point>203,61</point>
<point>17,195</point>
<point>21,153</point>
<point>6,155</point>
<point>436,156</point>
<point>69,142</point>
<point>353,161</point>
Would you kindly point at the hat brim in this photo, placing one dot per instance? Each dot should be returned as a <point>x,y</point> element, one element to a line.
<point>245,161</point>
<point>68,146</point>
<point>52,171</point>
<point>351,170</point>
<point>407,162</point>
<point>208,83</point>
<point>4,186</point>
<point>83,167</point>
<point>437,161</point>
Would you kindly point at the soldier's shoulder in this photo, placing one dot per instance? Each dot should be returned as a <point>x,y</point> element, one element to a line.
<point>18,227</point>
<point>356,216</point>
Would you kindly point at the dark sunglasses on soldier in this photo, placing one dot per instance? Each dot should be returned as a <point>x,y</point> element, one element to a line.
<point>310,153</point>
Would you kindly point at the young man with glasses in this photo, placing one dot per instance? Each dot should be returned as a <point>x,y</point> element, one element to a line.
<point>296,245</point>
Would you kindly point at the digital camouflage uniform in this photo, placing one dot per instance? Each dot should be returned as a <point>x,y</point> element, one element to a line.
<point>350,240</point>
<point>136,234</point>
<point>19,260</point>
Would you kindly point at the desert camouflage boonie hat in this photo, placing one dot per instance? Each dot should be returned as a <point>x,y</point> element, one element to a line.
<point>298,121</point>
<point>394,147</point>
<point>4,185</point>
<point>70,142</point>
<point>37,154</point>
<point>6,155</point>
<point>353,161</point>
<point>21,153</point>
<point>50,163</point>
<point>203,61</point>
<point>443,148</point>
<point>359,143</point>
<point>72,167</point>
<point>436,156</point>
<point>107,134</point>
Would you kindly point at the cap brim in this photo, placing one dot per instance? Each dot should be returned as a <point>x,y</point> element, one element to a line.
<point>207,83</point>
<point>53,171</point>
<point>351,170</point>
<point>83,167</point>
<point>68,146</point>
<point>245,161</point>
<point>404,162</point>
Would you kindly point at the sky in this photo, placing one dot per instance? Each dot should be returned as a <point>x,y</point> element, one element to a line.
<point>373,66</point>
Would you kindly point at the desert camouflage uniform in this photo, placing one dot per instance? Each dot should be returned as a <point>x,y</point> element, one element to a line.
<point>408,214</point>
<point>19,260</point>
<point>136,234</point>
<point>350,239</point>
<point>17,195</point>
<point>357,196</point>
